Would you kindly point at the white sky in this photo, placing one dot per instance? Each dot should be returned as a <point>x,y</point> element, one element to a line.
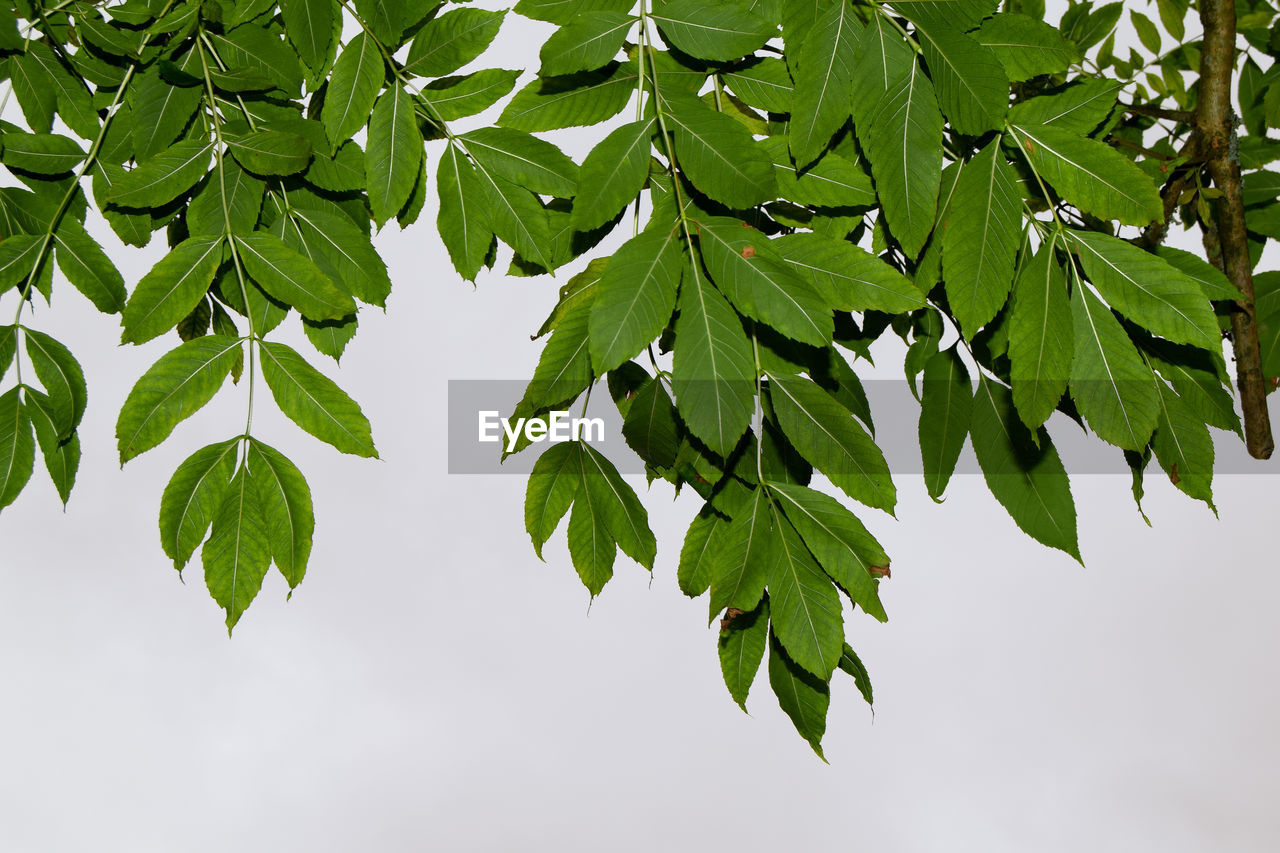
<point>432,685</point>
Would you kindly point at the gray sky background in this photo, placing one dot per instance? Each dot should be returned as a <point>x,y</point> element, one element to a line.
<point>432,685</point>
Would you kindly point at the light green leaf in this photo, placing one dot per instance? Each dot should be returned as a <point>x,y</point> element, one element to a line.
<point>564,12</point>
<point>826,434</point>
<point>285,502</point>
<point>946,407</point>
<point>17,448</point>
<point>18,257</point>
<point>852,664</point>
<point>61,455</point>
<point>1091,175</point>
<point>62,378</point>
<point>164,177</point>
<point>612,175</point>
<point>832,181</point>
<point>174,388</point>
<point>553,484</point>
<point>743,563</point>
<point>718,154</point>
<point>720,32</point>
<point>960,14</point>
<point>192,498</point>
<point>75,105</point>
<point>292,278</point>
<point>1078,108</point>
<point>904,145</point>
<point>237,555</point>
<point>803,697</point>
<point>971,85</point>
<point>394,153</point>
<point>697,554</point>
<point>41,153</point>
<point>636,296</point>
<point>804,607</point>
<point>525,160</point>
<point>1041,344</point>
<point>87,267</point>
<point>231,200</point>
<point>1112,386</point>
<point>766,84</point>
<point>564,368</point>
<point>884,58</point>
<point>713,369</point>
<point>458,97</point>
<point>1026,47</point>
<point>741,649</point>
<point>745,267</point>
<point>847,277</point>
<point>824,78</point>
<point>591,40</point>
<point>462,221</point>
<point>168,108</point>
<point>841,544</point>
<point>447,43</point>
<point>309,25</point>
<point>342,251</point>
<point>624,515</point>
<point>591,546</point>
<point>171,289</point>
<point>576,100</point>
<point>516,216</point>
<point>1023,471</point>
<point>1147,289</point>
<point>353,88</point>
<point>1211,280</point>
<point>312,401</point>
<point>981,232</point>
<point>1183,446</point>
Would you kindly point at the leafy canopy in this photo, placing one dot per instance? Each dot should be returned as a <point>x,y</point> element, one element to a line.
<point>794,180</point>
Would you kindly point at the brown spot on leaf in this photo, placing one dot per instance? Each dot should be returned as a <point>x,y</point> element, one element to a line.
<point>729,615</point>
<point>748,251</point>
<point>881,571</point>
<point>1173,474</point>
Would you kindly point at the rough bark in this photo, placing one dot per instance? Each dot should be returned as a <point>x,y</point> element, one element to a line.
<point>1215,121</point>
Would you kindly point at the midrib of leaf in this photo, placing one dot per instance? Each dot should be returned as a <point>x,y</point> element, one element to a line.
<point>779,289</point>
<point>986,228</point>
<point>730,164</point>
<point>464,220</point>
<point>204,150</point>
<point>1044,325</point>
<point>587,452</point>
<point>285,275</point>
<point>217,243</point>
<point>842,274</point>
<point>800,591</point>
<point>656,262</point>
<point>284,500</point>
<point>946,420</point>
<point>231,447</point>
<point>267,353</point>
<point>13,447</point>
<point>1102,353</point>
<point>1083,168</point>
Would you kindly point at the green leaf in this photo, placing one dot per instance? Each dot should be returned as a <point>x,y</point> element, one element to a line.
<point>164,177</point>
<point>1026,47</point>
<point>697,554</point>
<point>8,347</point>
<point>960,14</point>
<point>650,427</point>
<point>849,278</point>
<point>309,24</point>
<point>904,145</point>
<point>172,288</point>
<point>87,267</point>
<point>525,160</point>
<point>1147,289</point>
<point>624,516</point>
<point>192,499</point>
<point>743,563</point>
<point>394,153</point>
<point>553,485</point>
<point>1196,376</point>
<point>1078,108</point>
<point>462,221</point>
<point>41,153</point>
<point>271,152</point>
<point>980,237</point>
<point>635,297</point>
<point>591,40</point>
<point>447,43</point>
<point>564,368</point>
<point>1041,344</point>
<point>61,455</point>
<point>387,17</point>
<point>237,555</point>
<point>62,378</point>
<point>713,371</point>
<point>1091,175</point>
<point>564,12</point>
<point>343,252</point>
<point>1022,470</point>
<point>516,216</point>
<point>292,278</point>
<point>884,58</point>
<point>718,154</point>
<point>765,84</point>
<point>804,606</point>
<point>174,388</point>
<point>331,337</point>
<point>18,256</point>
<point>832,181</point>
<point>285,502</point>
<point>1110,383</point>
<point>75,105</point>
<point>720,32</point>
<point>841,544</point>
<point>17,448</point>
<point>803,697</point>
<point>824,78</point>
<point>946,407</point>
<point>971,85</point>
<point>825,433</point>
<point>1211,280</point>
<point>312,401</point>
<point>1183,446</point>
<point>741,649</point>
<point>612,175</point>
<point>231,200</point>
<point>746,268</point>
<point>458,97</point>
<point>852,664</point>
<point>575,100</point>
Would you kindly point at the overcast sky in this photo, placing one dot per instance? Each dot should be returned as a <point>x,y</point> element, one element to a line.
<point>432,685</point>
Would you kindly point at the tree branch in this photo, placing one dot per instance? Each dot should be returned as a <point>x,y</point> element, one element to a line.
<point>1215,122</point>
<point>1155,233</point>
<point>1157,112</point>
